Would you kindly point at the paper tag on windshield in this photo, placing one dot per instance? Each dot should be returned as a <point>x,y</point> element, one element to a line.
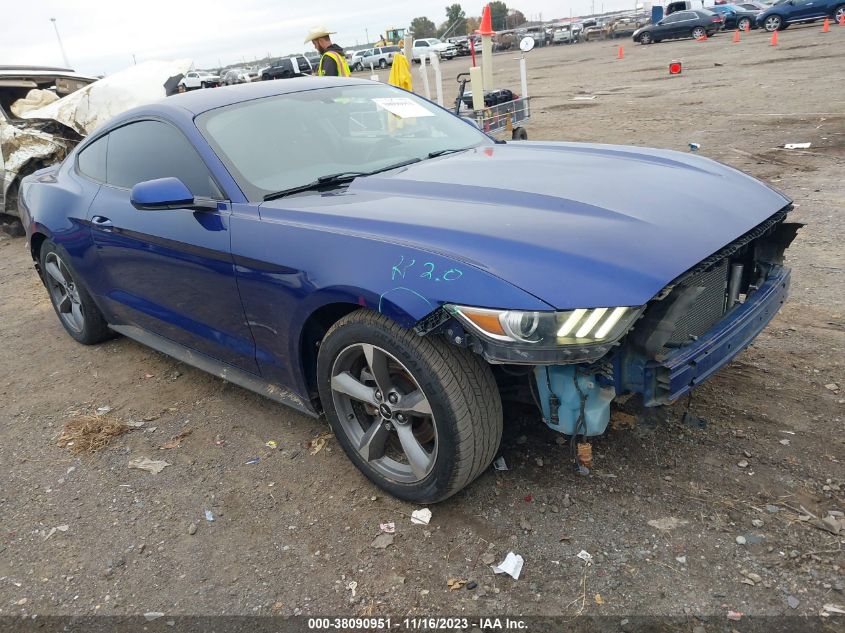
<point>402,107</point>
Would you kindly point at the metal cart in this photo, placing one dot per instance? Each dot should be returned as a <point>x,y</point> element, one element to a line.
<point>507,116</point>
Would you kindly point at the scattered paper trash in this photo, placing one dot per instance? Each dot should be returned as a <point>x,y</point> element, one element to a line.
<point>694,147</point>
<point>455,583</point>
<point>512,566</point>
<point>797,145</point>
<point>585,556</point>
<point>584,98</point>
<point>209,516</point>
<point>834,608</point>
<point>598,599</point>
<point>388,528</point>
<point>317,443</point>
<point>736,616</point>
<point>150,465</point>
<point>499,464</point>
<point>669,523</point>
<point>253,461</point>
<point>103,410</point>
<point>271,444</point>
<point>352,586</point>
<point>421,517</point>
<point>149,616</point>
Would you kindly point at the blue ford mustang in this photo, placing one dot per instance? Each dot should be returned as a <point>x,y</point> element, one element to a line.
<point>350,249</point>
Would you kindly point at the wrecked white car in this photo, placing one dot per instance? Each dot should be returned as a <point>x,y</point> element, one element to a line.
<point>45,112</point>
<point>27,145</point>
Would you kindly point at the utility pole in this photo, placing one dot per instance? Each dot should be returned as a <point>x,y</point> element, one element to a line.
<point>61,46</point>
<point>133,59</point>
<point>367,33</point>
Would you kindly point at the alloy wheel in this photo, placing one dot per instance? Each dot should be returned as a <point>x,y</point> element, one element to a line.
<point>64,293</point>
<point>772,23</point>
<point>384,413</point>
<point>837,17</point>
<point>645,38</point>
<point>698,32</point>
<point>743,23</point>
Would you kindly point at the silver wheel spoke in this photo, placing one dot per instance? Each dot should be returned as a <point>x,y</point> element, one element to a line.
<point>347,384</point>
<point>76,312</point>
<point>418,459</point>
<point>416,402</point>
<point>55,273</point>
<point>377,362</point>
<point>64,304</point>
<point>374,440</point>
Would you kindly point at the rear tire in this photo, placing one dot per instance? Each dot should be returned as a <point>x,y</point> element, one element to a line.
<point>838,12</point>
<point>457,421</point>
<point>698,32</point>
<point>77,312</point>
<point>741,25</point>
<point>382,63</point>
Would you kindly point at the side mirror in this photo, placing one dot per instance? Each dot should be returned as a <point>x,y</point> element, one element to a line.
<point>166,193</point>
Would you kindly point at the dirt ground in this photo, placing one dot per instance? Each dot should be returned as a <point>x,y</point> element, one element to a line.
<point>292,533</point>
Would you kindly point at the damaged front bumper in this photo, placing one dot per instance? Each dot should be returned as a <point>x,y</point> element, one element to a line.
<point>665,380</point>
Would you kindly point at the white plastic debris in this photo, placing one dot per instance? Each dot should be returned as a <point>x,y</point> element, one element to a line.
<point>150,465</point>
<point>209,516</point>
<point>667,523</point>
<point>500,464</point>
<point>797,145</point>
<point>388,528</point>
<point>421,517</point>
<point>834,608</point>
<point>585,556</point>
<point>149,616</point>
<point>512,566</point>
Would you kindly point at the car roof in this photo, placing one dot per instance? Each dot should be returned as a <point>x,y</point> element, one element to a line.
<point>199,101</point>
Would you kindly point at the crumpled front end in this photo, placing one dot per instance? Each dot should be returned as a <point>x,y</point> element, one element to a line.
<point>695,326</point>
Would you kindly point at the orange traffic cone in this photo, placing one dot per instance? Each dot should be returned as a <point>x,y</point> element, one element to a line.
<point>774,38</point>
<point>842,20</point>
<point>748,26</point>
<point>620,54</point>
<point>703,38</point>
<point>826,27</point>
<point>736,36</point>
<point>486,27</point>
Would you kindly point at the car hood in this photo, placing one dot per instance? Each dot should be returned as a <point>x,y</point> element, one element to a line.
<point>575,225</point>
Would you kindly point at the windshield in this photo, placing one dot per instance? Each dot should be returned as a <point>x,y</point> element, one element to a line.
<point>290,140</point>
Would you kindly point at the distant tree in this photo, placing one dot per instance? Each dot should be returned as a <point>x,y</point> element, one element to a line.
<point>499,15</point>
<point>473,24</point>
<point>423,28</point>
<point>455,13</point>
<point>515,18</point>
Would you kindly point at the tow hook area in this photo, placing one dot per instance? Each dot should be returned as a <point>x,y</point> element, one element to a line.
<point>573,402</point>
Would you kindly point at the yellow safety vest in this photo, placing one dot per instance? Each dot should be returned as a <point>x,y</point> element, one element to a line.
<point>342,66</point>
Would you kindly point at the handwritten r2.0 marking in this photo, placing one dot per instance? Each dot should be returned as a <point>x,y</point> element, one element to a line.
<point>400,270</point>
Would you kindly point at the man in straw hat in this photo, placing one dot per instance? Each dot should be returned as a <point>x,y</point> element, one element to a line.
<point>332,60</point>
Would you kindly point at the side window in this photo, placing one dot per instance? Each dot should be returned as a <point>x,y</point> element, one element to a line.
<point>92,160</point>
<point>151,149</point>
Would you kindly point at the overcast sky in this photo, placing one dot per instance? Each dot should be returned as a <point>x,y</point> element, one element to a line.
<point>101,37</point>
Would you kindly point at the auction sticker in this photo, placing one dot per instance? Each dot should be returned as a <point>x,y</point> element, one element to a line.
<point>402,107</point>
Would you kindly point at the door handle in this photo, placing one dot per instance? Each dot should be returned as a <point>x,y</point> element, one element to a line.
<point>102,222</point>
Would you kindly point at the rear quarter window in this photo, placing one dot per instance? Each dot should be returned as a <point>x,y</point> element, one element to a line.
<point>91,161</point>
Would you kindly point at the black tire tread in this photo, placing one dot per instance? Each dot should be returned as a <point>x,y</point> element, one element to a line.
<point>469,387</point>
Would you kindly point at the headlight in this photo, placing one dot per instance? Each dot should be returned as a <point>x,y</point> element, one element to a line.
<point>547,330</point>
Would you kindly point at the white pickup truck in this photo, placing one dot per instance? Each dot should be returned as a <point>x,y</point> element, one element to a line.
<point>444,50</point>
<point>200,79</point>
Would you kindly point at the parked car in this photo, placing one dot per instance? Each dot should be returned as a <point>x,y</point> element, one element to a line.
<point>313,58</point>
<point>753,6</point>
<point>27,145</point>
<point>379,57</point>
<point>355,58</point>
<point>236,76</point>
<point>567,34</point>
<point>679,25</point>
<point>399,279</point>
<point>736,17</point>
<point>200,79</point>
<point>287,68</point>
<point>429,45</point>
<point>787,12</point>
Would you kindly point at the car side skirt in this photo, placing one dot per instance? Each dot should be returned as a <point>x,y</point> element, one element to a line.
<point>218,368</point>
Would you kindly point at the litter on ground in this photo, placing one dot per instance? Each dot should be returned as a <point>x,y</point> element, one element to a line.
<point>421,517</point>
<point>500,464</point>
<point>512,566</point>
<point>89,434</point>
<point>150,465</point>
<point>585,556</point>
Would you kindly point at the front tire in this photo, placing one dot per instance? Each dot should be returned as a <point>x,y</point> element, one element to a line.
<point>773,23</point>
<point>382,63</point>
<point>698,32</point>
<point>77,312</point>
<point>419,417</point>
<point>743,24</point>
<point>838,12</point>
<point>645,38</point>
